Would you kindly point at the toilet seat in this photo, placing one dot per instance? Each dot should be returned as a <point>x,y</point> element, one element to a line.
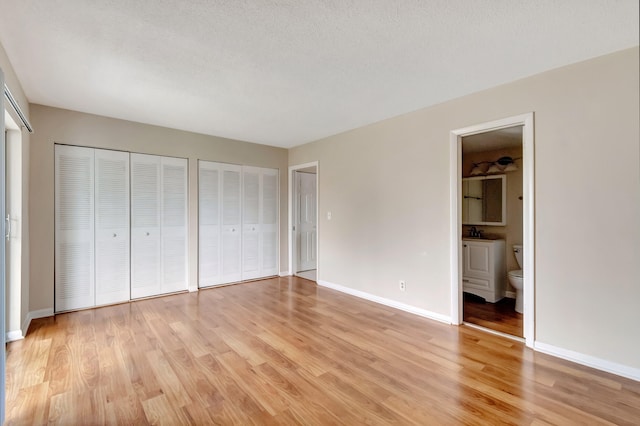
<point>516,273</point>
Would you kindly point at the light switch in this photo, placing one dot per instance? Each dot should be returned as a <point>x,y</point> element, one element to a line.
<point>328,215</point>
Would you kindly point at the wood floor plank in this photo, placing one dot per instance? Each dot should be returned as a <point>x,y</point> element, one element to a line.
<point>284,351</point>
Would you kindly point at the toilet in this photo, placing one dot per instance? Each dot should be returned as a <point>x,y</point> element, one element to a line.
<point>516,277</point>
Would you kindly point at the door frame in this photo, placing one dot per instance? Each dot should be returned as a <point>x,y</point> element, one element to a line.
<point>2,257</point>
<point>290,233</point>
<point>527,121</point>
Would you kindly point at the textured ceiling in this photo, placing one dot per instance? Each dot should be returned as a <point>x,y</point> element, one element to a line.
<point>510,137</point>
<point>286,72</point>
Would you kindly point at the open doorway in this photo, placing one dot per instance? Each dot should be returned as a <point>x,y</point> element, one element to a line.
<point>484,251</point>
<point>492,220</point>
<point>303,207</point>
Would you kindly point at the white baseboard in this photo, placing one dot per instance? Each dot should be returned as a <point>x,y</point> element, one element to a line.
<point>589,361</point>
<point>387,302</point>
<point>41,313</point>
<point>14,335</point>
<point>510,294</point>
<point>285,273</point>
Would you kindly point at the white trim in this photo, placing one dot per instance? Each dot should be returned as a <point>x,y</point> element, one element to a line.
<point>455,189</point>
<point>528,233</point>
<point>285,273</point>
<point>590,361</point>
<point>455,220</point>
<point>41,313</point>
<point>14,335</point>
<point>387,302</point>
<point>292,266</point>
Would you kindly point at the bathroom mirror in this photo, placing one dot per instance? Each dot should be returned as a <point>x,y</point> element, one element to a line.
<point>484,200</point>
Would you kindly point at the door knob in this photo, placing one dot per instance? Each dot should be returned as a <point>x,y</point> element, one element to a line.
<point>114,235</point>
<point>147,234</point>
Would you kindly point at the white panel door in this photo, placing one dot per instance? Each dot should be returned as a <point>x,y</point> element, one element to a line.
<point>251,229</point>
<point>174,224</point>
<point>209,224</point>
<point>306,221</point>
<point>145,226</point>
<point>269,223</point>
<point>231,231</point>
<point>111,226</point>
<point>74,228</point>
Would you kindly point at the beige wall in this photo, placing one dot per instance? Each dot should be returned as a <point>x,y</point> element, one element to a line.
<point>512,232</point>
<point>22,146</point>
<point>55,125</point>
<point>387,186</point>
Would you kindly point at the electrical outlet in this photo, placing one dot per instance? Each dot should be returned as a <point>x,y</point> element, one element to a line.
<point>403,285</point>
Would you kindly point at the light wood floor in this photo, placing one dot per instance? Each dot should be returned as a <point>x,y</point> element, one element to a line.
<point>500,316</point>
<point>284,351</point>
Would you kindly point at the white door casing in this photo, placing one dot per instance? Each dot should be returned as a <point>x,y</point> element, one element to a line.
<point>2,253</point>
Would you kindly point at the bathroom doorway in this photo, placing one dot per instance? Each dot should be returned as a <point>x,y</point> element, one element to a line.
<point>492,227</point>
<point>492,187</point>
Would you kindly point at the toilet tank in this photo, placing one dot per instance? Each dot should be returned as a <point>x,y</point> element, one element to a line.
<point>517,251</point>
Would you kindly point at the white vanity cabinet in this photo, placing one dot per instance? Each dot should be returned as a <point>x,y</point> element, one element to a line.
<point>484,268</point>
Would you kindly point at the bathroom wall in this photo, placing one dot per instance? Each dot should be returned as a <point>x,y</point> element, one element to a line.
<point>512,232</point>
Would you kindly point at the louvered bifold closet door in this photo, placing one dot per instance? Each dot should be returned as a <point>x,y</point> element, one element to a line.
<point>269,223</point>
<point>231,223</point>
<point>145,226</point>
<point>74,228</point>
<point>251,199</point>
<point>209,224</point>
<point>174,224</point>
<point>111,226</point>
